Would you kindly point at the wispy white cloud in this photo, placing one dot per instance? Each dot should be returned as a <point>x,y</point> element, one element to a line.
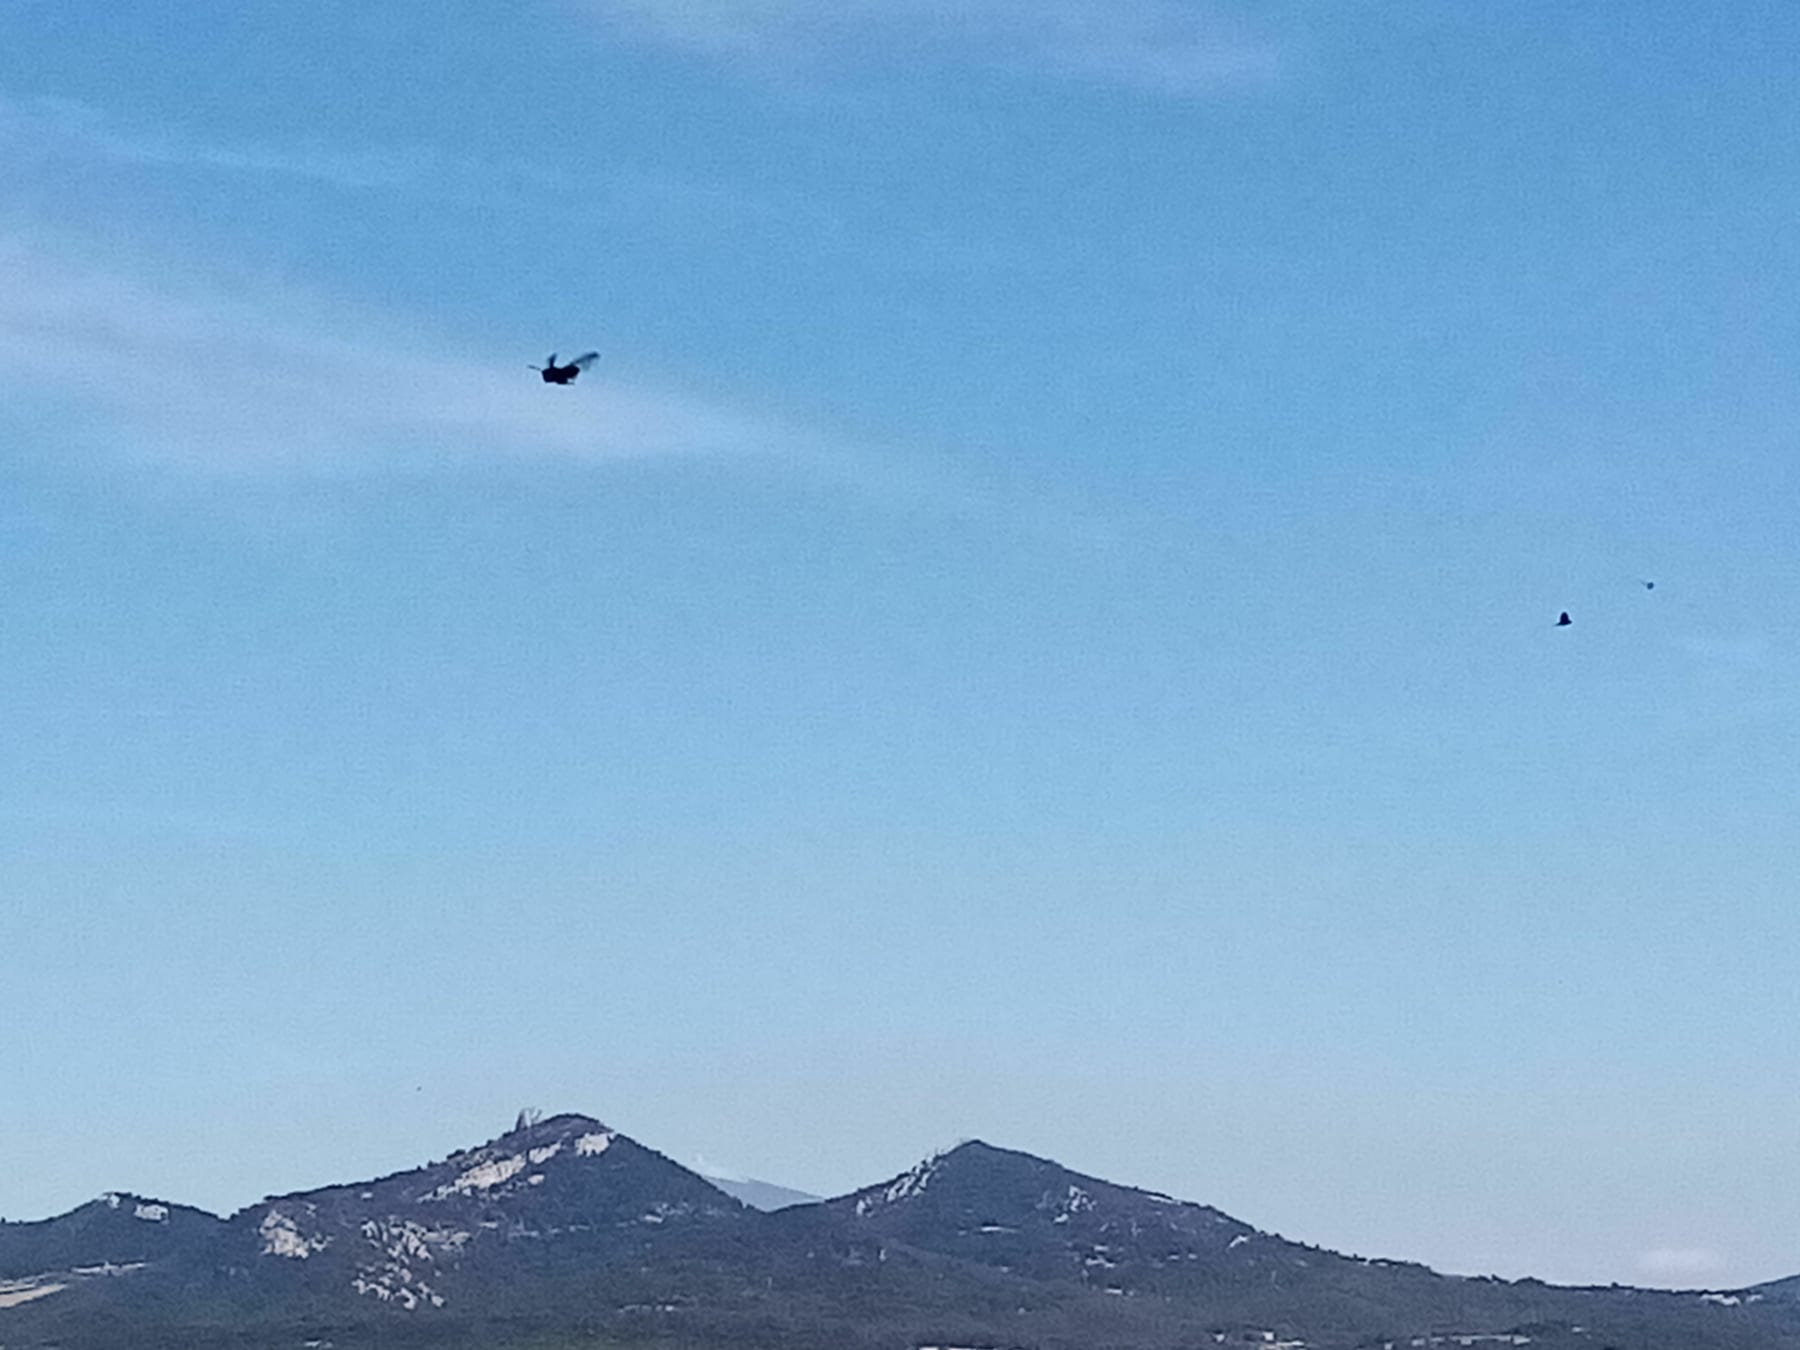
<point>51,135</point>
<point>210,375</point>
<point>1172,47</point>
<point>196,366</point>
<point>58,128</point>
<point>242,376</point>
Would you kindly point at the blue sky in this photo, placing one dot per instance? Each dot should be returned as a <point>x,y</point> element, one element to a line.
<point>1038,626</point>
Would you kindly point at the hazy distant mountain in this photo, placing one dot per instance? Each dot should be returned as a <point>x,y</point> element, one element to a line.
<point>563,1232</point>
<point>763,1195</point>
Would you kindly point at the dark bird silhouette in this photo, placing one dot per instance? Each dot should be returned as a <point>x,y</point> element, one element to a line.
<point>1563,620</point>
<point>1649,585</point>
<point>568,373</point>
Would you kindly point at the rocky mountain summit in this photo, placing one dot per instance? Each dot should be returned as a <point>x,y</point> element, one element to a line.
<point>568,1182</point>
<point>562,1231</point>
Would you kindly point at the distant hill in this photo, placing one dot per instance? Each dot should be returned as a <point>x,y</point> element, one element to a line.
<point>115,1230</point>
<point>563,1232</point>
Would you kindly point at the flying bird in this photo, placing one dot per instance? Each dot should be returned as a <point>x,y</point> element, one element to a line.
<point>1563,620</point>
<point>567,373</point>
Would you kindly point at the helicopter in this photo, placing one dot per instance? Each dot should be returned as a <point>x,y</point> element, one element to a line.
<point>565,374</point>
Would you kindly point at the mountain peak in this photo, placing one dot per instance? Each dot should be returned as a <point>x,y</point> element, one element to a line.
<point>136,1206</point>
<point>1028,1215</point>
<point>531,1122</point>
<point>533,1134</point>
<point>418,1239</point>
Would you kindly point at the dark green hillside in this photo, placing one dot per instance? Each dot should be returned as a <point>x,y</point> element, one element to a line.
<point>116,1230</point>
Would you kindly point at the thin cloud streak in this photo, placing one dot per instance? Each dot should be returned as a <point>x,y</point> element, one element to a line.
<point>1156,46</point>
<point>233,380</point>
<point>57,128</point>
<point>49,135</point>
<point>174,371</point>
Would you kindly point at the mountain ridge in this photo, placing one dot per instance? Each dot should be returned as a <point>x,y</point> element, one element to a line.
<point>565,1227</point>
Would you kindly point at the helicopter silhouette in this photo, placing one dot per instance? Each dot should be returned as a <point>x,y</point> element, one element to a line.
<point>565,374</point>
